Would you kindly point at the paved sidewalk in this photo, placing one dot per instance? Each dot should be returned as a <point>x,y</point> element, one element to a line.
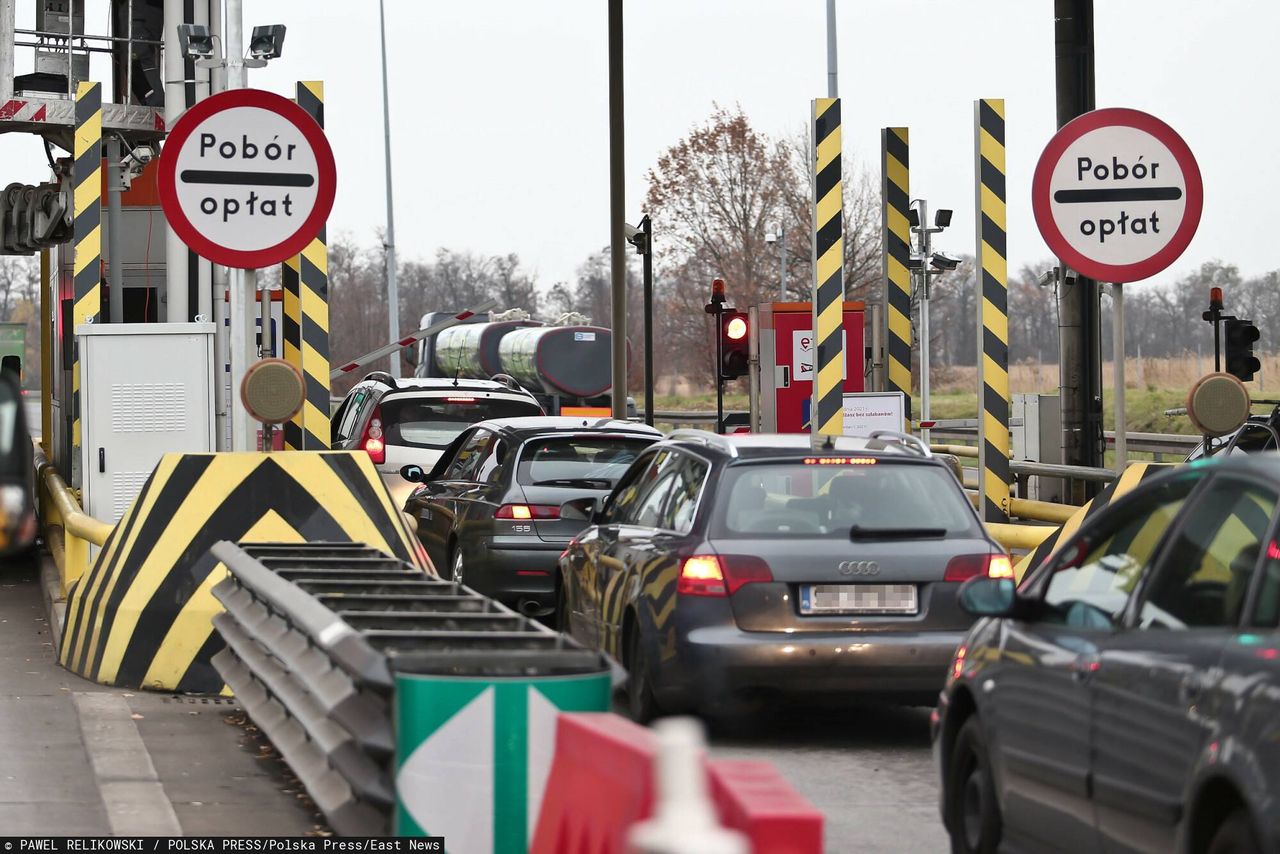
<point>80,758</point>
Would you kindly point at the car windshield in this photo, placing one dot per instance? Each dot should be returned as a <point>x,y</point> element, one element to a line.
<point>434,422</point>
<point>840,497</point>
<point>592,462</point>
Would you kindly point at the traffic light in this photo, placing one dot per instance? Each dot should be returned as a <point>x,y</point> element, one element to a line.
<point>734,344</point>
<point>1240,359</point>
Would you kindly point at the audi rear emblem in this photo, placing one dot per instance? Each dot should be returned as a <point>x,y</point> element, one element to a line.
<point>859,567</point>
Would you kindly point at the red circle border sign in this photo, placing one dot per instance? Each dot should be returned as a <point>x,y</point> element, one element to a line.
<point>1040,196</point>
<point>326,179</point>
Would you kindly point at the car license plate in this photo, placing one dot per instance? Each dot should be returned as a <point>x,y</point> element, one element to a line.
<point>858,599</point>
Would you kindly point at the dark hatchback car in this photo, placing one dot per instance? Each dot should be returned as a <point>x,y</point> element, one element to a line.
<point>507,495</point>
<point>724,566</point>
<point>1126,696</point>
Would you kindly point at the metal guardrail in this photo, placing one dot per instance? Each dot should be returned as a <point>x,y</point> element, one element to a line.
<point>316,634</point>
<point>69,531</point>
<point>1159,444</point>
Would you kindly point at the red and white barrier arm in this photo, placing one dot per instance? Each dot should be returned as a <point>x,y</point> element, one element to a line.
<point>412,338</point>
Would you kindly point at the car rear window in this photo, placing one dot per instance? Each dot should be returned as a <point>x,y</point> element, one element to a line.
<point>434,422</point>
<point>794,499</point>
<point>591,462</point>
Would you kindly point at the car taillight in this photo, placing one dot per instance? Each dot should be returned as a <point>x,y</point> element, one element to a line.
<point>711,575</point>
<point>527,511</point>
<point>964,567</point>
<point>957,663</point>
<point>372,439</point>
<point>700,575</point>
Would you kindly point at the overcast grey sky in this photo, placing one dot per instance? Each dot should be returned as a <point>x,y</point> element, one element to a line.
<point>499,107</point>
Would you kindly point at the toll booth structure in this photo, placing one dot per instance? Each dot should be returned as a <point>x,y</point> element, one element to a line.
<point>783,350</point>
<point>86,79</point>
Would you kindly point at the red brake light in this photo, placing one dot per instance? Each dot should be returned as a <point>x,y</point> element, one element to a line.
<point>710,575</point>
<point>527,511</point>
<point>964,567</point>
<point>700,575</point>
<point>372,439</point>
<point>459,400</point>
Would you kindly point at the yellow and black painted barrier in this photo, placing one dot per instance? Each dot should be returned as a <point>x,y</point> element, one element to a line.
<point>993,310</point>
<point>828,270</point>
<point>86,183</point>
<point>895,190</point>
<point>305,280</point>
<point>1132,477</point>
<point>68,530</point>
<point>140,617</point>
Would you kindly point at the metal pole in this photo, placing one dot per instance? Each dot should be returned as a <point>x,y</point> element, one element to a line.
<point>46,303</point>
<point>220,304</point>
<point>782,275</point>
<point>115,257</point>
<point>1080,362</point>
<point>719,364</point>
<point>924,317</point>
<point>617,213</point>
<point>243,282</point>
<point>877,346</point>
<point>204,269</point>
<point>831,49</point>
<point>646,225</point>
<point>7,38</point>
<point>1117,358</point>
<point>128,52</point>
<point>175,101</point>
<point>389,247</point>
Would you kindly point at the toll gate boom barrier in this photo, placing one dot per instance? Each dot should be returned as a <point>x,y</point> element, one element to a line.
<point>404,703</point>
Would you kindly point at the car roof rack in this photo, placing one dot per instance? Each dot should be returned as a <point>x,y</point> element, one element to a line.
<point>382,377</point>
<point>705,437</point>
<point>912,443</point>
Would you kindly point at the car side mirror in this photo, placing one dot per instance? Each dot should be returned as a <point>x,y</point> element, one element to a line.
<point>581,510</point>
<point>989,597</point>
<point>413,473</point>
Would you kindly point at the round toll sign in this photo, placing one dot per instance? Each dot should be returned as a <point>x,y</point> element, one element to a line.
<point>1117,195</point>
<point>246,178</point>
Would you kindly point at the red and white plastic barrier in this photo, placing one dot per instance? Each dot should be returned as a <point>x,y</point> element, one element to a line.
<point>602,783</point>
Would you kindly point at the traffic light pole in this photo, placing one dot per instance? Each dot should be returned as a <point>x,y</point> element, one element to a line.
<point>719,312</point>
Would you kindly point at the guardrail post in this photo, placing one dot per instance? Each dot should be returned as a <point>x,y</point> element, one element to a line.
<point>993,309</point>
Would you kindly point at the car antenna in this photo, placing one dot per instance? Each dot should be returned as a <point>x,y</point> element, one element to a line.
<point>828,443</point>
<point>457,373</point>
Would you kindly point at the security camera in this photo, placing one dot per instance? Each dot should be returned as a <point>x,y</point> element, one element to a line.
<point>144,154</point>
<point>1048,277</point>
<point>635,237</point>
<point>942,218</point>
<point>943,261</point>
<point>915,262</point>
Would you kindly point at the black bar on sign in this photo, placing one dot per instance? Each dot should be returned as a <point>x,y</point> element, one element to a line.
<point>1130,194</point>
<point>264,179</point>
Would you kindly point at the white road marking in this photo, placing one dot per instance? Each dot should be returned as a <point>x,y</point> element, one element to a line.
<point>131,791</point>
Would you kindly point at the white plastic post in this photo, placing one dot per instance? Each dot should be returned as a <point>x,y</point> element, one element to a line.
<point>684,820</point>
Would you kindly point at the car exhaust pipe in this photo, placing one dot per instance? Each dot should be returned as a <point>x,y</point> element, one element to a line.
<point>533,608</point>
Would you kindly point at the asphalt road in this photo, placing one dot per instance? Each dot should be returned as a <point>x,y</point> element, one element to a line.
<point>868,769</point>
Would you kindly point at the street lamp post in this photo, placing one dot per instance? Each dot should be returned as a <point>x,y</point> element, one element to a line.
<point>393,291</point>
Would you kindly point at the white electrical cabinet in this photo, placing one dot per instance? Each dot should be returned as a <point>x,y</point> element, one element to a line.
<point>146,389</point>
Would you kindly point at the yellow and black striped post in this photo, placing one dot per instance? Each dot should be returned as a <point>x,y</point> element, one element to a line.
<point>895,192</point>
<point>305,279</point>
<point>86,182</point>
<point>993,309</point>
<point>827,408</point>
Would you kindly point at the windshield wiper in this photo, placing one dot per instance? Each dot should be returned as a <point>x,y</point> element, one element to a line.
<point>599,483</point>
<point>859,533</point>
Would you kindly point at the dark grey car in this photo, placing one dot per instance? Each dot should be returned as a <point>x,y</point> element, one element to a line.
<point>499,505</point>
<point>1126,697</point>
<point>747,564</point>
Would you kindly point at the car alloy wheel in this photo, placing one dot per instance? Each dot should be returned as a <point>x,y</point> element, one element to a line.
<point>974,813</point>
<point>457,565</point>
<point>641,703</point>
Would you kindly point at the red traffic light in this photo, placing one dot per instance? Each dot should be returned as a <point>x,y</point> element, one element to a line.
<point>736,328</point>
<point>734,347</point>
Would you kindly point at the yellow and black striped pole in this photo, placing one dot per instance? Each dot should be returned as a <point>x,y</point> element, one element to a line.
<point>895,190</point>
<point>305,279</point>
<point>827,408</point>
<point>993,310</point>
<point>86,182</point>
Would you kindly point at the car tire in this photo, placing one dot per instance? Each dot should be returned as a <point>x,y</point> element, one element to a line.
<point>642,705</point>
<point>973,811</point>
<point>560,617</point>
<point>456,569</point>
<point>1235,836</point>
